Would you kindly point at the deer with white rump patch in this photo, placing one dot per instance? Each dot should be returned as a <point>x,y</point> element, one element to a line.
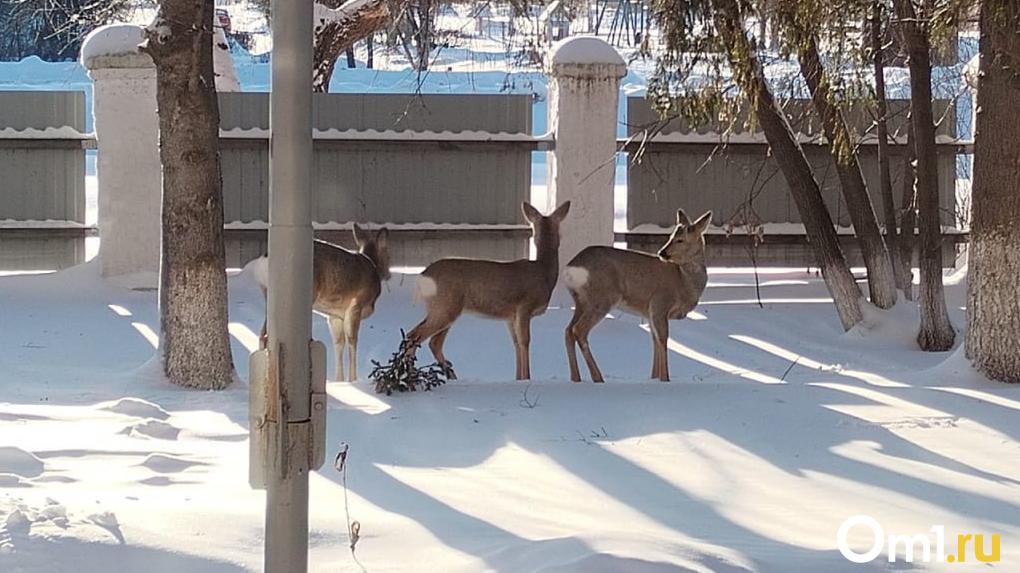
<point>513,291</point>
<point>346,285</point>
<point>656,287</point>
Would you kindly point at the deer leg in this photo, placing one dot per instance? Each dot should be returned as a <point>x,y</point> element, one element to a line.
<point>436,346</point>
<point>434,323</point>
<point>512,325</point>
<point>336,328</point>
<point>522,325</point>
<point>655,354</point>
<point>584,325</point>
<point>352,325</point>
<point>571,341</point>
<point>660,332</point>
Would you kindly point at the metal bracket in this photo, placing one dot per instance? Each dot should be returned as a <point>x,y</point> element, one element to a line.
<point>259,381</point>
<point>268,406</point>
<point>317,365</point>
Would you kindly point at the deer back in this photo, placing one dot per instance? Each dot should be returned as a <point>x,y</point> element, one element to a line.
<point>342,277</point>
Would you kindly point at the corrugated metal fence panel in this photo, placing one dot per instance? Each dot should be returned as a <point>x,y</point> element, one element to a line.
<point>390,182</point>
<point>640,116</point>
<point>397,112</point>
<point>393,181</point>
<point>42,180</point>
<point>41,109</point>
<point>703,176</point>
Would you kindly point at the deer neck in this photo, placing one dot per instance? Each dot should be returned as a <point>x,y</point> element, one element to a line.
<point>371,256</point>
<point>695,272</point>
<point>548,257</point>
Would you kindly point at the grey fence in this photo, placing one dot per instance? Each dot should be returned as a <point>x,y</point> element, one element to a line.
<point>737,179</point>
<point>447,173</point>
<point>42,179</point>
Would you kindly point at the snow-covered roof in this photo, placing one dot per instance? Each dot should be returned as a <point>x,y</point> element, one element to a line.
<point>585,50</point>
<point>110,41</point>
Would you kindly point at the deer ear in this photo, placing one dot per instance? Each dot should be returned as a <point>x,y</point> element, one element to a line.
<point>530,213</point>
<point>682,219</point>
<point>381,237</point>
<point>561,212</point>
<point>359,235</point>
<point>702,223</point>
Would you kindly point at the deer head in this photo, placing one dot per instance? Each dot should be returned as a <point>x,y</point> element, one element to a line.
<point>545,229</point>
<point>687,242</point>
<point>374,247</point>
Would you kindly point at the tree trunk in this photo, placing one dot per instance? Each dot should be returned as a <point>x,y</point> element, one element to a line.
<point>892,236</point>
<point>792,161</point>
<point>936,333</point>
<point>881,279</point>
<point>337,29</point>
<point>194,344</point>
<point>908,217</point>
<point>993,306</point>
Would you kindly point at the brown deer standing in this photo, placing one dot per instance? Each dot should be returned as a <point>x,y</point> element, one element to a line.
<point>513,291</point>
<point>346,285</point>
<point>657,288</point>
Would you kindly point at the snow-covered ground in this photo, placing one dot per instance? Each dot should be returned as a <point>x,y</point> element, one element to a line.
<point>776,428</point>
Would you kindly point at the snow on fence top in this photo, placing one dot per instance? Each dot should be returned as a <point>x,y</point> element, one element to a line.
<point>111,40</point>
<point>49,133</point>
<point>467,136</point>
<point>585,50</point>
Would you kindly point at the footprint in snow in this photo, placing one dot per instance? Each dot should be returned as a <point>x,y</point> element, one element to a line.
<point>135,407</point>
<point>166,464</point>
<point>16,465</point>
<point>152,429</point>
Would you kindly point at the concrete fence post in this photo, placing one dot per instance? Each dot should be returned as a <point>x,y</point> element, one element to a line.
<point>127,135</point>
<point>584,92</point>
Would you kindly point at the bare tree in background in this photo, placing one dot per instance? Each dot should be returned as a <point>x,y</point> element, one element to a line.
<point>52,29</point>
<point>901,268</point>
<point>694,33</point>
<point>340,25</point>
<point>800,20</point>
<point>194,344</point>
<point>993,296</point>
<point>936,332</point>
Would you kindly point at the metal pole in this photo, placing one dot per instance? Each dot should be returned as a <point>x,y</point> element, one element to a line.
<point>290,285</point>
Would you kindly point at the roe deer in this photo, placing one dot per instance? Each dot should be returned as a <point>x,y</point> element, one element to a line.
<point>346,285</point>
<point>513,291</point>
<point>657,288</point>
